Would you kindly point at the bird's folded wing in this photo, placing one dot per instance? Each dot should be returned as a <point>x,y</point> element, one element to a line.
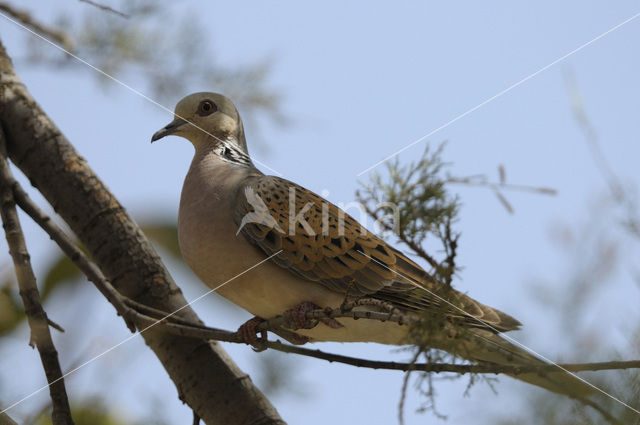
<point>322,243</point>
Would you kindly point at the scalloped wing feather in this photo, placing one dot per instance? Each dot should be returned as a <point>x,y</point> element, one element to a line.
<point>322,243</point>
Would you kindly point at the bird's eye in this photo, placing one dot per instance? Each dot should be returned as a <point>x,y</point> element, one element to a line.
<point>206,107</point>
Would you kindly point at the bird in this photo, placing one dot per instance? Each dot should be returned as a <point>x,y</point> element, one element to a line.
<point>271,246</point>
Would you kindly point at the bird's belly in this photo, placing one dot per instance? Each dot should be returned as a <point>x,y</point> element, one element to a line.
<point>236,270</point>
<point>361,330</point>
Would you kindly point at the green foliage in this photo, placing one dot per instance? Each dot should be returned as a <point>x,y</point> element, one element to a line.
<point>11,310</point>
<point>413,202</point>
<point>60,271</point>
<point>89,412</point>
<point>164,234</point>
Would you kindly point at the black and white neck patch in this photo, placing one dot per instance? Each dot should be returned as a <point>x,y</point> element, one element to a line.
<point>230,153</point>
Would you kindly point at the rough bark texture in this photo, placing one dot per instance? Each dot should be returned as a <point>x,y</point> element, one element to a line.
<point>206,378</point>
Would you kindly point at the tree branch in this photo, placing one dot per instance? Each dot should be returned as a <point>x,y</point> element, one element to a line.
<point>105,8</point>
<point>482,181</point>
<point>74,253</point>
<point>204,375</point>
<point>26,19</point>
<point>177,326</point>
<point>36,316</point>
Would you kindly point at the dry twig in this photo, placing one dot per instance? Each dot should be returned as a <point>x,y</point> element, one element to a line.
<point>26,19</point>
<point>74,253</point>
<point>177,326</point>
<point>36,316</point>
<point>106,8</point>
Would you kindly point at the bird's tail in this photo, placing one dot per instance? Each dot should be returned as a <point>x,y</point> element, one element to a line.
<point>483,346</point>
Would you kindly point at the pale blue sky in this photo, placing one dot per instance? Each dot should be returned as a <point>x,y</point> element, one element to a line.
<point>362,80</point>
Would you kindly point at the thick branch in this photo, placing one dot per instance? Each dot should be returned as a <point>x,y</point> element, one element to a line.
<point>36,316</point>
<point>206,378</point>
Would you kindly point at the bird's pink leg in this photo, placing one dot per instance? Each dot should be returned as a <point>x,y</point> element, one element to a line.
<point>247,331</point>
<point>297,316</point>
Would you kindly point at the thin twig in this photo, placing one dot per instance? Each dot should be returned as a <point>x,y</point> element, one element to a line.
<point>444,269</point>
<point>405,384</point>
<point>24,17</point>
<point>182,327</point>
<point>483,182</point>
<point>452,368</point>
<point>36,316</point>
<point>591,137</point>
<point>74,253</point>
<point>193,330</point>
<point>451,250</point>
<point>54,325</point>
<point>106,8</point>
<point>173,326</point>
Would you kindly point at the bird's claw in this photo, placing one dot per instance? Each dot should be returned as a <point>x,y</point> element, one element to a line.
<point>297,317</point>
<point>247,331</point>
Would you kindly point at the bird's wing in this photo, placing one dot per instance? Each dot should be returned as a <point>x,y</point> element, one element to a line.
<point>321,243</point>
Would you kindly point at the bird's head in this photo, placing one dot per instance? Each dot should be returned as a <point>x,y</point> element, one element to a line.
<point>205,119</point>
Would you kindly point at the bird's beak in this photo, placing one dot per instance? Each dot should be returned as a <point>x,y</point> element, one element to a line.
<point>170,128</point>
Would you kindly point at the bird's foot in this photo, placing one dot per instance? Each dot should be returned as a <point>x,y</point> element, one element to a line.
<point>297,317</point>
<point>247,331</point>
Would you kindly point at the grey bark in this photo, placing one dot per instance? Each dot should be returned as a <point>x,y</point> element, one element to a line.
<point>205,376</point>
